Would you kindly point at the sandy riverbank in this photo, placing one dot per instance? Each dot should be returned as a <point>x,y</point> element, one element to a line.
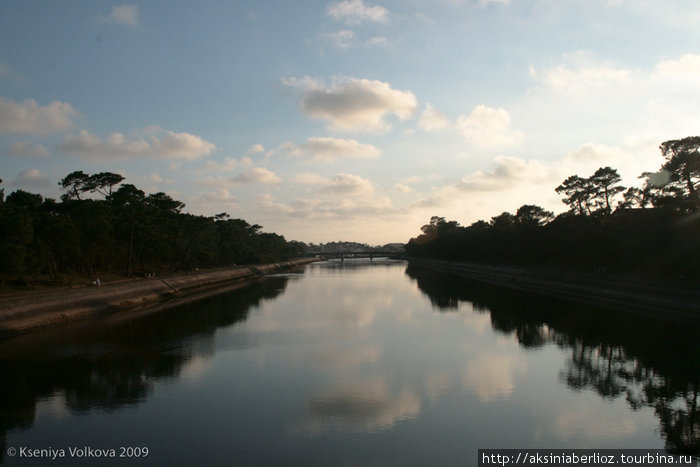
<point>25,312</point>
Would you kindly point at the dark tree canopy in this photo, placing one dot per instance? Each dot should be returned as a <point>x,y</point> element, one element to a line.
<point>74,183</point>
<point>662,240</point>
<point>683,164</point>
<point>125,231</point>
<point>605,181</point>
<point>578,193</point>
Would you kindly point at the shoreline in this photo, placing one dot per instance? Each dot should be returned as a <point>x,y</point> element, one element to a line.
<point>659,299</point>
<point>32,311</point>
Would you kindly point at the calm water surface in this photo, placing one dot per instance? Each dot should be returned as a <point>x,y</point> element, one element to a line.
<point>354,363</point>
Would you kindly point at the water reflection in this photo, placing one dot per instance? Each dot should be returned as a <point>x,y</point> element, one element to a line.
<point>112,364</point>
<point>351,366</point>
<point>362,406</point>
<point>649,363</point>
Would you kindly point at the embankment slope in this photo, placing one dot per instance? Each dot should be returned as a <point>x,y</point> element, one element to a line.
<point>659,298</point>
<point>25,312</point>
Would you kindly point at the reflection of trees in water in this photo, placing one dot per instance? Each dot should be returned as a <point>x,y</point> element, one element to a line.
<point>650,363</point>
<point>114,364</point>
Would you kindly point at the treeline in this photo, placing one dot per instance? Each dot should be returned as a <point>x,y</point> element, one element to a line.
<point>652,229</point>
<point>103,226</point>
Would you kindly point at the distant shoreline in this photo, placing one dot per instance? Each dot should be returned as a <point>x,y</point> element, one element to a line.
<point>26,312</point>
<point>664,300</point>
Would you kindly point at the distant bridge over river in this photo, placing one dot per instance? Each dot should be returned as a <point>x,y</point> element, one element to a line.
<point>342,255</point>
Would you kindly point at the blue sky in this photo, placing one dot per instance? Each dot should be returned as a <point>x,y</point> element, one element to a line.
<point>345,120</point>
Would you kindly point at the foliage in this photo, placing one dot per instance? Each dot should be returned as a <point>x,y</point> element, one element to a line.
<point>125,231</point>
<point>662,240</point>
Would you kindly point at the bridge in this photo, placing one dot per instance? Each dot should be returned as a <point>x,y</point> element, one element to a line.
<point>371,254</point>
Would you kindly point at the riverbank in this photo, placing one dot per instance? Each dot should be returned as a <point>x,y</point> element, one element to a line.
<point>658,298</point>
<point>25,312</point>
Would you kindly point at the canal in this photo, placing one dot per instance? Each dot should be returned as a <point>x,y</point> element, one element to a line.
<point>352,363</point>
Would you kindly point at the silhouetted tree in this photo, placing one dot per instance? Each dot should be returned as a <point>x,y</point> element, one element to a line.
<point>683,164</point>
<point>532,215</point>
<point>640,197</point>
<point>129,201</point>
<point>605,186</point>
<point>579,193</point>
<point>75,183</point>
<point>504,222</point>
<point>103,182</point>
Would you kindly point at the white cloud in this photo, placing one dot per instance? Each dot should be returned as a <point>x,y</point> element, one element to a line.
<point>507,173</point>
<point>599,154</point>
<point>413,179</point>
<point>378,41</point>
<point>497,2</point>
<point>433,119</point>
<point>151,142</point>
<point>356,12</point>
<point>688,66</point>
<point>30,179</point>
<point>581,79</point>
<point>212,202</point>
<point>28,117</point>
<point>311,179</point>
<point>355,207</point>
<point>125,15</point>
<point>26,149</point>
<point>229,164</point>
<point>677,79</point>
<point>259,175</point>
<point>400,187</point>
<point>488,127</point>
<point>584,98</point>
<point>340,39</point>
<point>360,203</point>
<point>155,178</point>
<point>266,202</point>
<point>340,184</point>
<point>354,104</point>
<point>256,149</point>
<point>347,184</point>
<point>328,149</point>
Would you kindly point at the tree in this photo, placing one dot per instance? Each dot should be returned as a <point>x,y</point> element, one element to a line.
<point>579,192</point>
<point>75,182</point>
<point>532,215</point>
<point>129,200</point>
<point>163,203</point>
<point>17,216</point>
<point>634,196</point>
<point>683,164</point>
<point>604,184</point>
<point>103,183</point>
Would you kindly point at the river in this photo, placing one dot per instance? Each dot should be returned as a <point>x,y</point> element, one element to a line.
<point>352,363</point>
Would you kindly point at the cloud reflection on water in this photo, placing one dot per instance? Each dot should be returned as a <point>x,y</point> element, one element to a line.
<point>360,406</point>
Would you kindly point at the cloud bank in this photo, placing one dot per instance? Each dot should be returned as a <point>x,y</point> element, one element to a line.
<point>356,12</point>
<point>328,149</point>
<point>354,104</point>
<point>26,149</point>
<point>30,118</point>
<point>151,142</point>
<point>488,127</point>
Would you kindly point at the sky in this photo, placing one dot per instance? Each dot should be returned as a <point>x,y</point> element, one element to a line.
<point>351,120</point>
